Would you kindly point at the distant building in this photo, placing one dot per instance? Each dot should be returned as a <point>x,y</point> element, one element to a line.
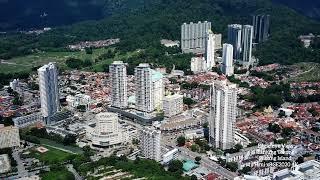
<point>144,88</point>
<point>247,36</point>
<point>172,105</point>
<point>234,38</point>
<point>169,43</point>
<point>150,144</point>
<point>223,109</point>
<point>79,99</point>
<point>106,131</point>
<point>193,37</point>
<point>28,120</point>
<point>198,65</point>
<point>210,50</point>
<point>14,84</point>
<point>158,90</point>
<point>261,26</point>
<point>49,91</point>
<point>217,41</point>
<point>118,80</point>
<point>227,67</point>
<point>9,137</point>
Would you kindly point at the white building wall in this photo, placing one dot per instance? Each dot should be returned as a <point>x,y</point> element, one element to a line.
<point>173,105</point>
<point>227,60</point>
<point>118,80</point>
<point>49,92</point>
<point>150,144</point>
<point>144,89</point>
<point>210,49</point>
<point>223,107</point>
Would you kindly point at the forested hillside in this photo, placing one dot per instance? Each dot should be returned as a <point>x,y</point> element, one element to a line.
<point>309,8</point>
<point>143,28</point>
<point>31,14</point>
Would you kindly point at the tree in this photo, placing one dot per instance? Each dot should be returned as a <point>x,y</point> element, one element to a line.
<point>286,132</point>
<point>188,101</point>
<point>69,139</point>
<point>193,177</point>
<point>88,50</point>
<point>233,166</point>
<point>175,166</point>
<point>245,170</point>
<point>198,159</point>
<point>300,159</point>
<point>194,147</point>
<point>275,128</point>
<point>181,141</point>
<point>238,147</point>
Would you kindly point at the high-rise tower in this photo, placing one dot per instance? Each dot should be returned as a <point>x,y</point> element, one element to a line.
<point>227,60</point>
<point>118,80</point>
<point>49,91</point>
<point>234,38</point>
<point>223,106</point>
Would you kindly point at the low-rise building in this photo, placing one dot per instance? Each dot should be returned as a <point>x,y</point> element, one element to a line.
<point>9,137</point>
<point>28,120</point>
<point>150,144</point>
<point>172,105</point>
<point>4,163</point>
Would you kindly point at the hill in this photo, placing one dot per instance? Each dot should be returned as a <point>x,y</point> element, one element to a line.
<point>310,8</point>
<point>143,27</point>
<point>31,14</point>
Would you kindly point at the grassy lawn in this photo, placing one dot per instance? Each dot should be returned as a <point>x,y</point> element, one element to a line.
<point>62,174</point>
<point>52,156</point>
<point>25,63</point>
<point>73,149</point>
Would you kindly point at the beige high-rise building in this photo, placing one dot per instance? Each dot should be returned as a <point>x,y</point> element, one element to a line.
<point>223,110</point>
<point>150,143</point>
<point>173,105</point>
<point>118,80</point>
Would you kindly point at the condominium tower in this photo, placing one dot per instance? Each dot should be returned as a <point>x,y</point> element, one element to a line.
<point>144,90</point>
<point>234,38</point>
<point>227,60</point>
<point>247,36</point>
<point>223,106</point>
<point>261,25</point>
<point>49,92</point>
<point>193,36</point>
<point>118,80</point>
<point>210,48</point>
<point>158,90</point>
<point>150,144</point>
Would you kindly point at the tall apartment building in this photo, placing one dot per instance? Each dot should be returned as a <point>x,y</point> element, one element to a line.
<point>49,91</point>
<point>210,48</point>
<point>150,144</point>
<point>198,65</point>
<point>158,90</point>
<point>9,137</point>
<point>261,25</point>
<point>118,80</point>
<point>227,60</point>
<point>234,38</point>
<point>247,36</point>
<point>144,88</point>
<point>223,106</point>
<point>193,36</point>
<point>172,105</point>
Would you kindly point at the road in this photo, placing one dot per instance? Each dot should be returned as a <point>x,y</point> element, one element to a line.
<point>22,172</point>
<point>74,172</point>
<point>209,164</point>
<point>168,141</point>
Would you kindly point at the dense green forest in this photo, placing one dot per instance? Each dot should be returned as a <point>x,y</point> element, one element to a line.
<point>143,27</point>
<point>31,14</point>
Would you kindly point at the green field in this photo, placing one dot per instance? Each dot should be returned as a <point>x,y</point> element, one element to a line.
<point>61,174</point>
<point>26,63</point>
<point>73,149</point>
<point>52,156</point>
